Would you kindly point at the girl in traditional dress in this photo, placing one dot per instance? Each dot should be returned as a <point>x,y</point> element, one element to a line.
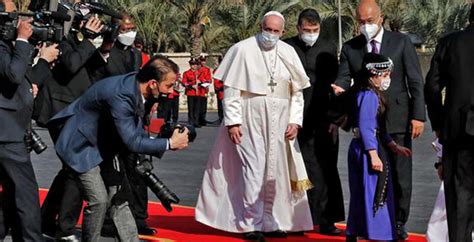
<point>371,209</point>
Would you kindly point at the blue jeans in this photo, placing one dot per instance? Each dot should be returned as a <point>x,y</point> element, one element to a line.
<point>95,194</point>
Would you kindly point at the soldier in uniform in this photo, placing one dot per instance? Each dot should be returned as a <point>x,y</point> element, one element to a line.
<point>191,82</point>
<point>205,76</point>
<point>219,90</point>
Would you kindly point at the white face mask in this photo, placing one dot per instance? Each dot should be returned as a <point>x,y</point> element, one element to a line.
<point>128,38</point>
<point>369,30</point>
<point>385,84</point>
<point>309,39</point>
<point>268,40</point>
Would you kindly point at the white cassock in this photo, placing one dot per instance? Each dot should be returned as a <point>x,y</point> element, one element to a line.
<point>260,184</point>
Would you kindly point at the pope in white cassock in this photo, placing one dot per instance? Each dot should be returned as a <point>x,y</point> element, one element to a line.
<point>255,180</point>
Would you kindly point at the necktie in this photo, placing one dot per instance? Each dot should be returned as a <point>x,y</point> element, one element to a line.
<point>373,44</point>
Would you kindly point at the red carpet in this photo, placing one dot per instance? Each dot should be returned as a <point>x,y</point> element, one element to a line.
<point>179,225</point>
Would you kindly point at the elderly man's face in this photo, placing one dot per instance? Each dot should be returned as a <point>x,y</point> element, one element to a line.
<point>273,24</point>
<point>369,14</point>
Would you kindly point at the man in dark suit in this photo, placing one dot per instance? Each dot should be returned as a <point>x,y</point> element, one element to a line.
<point>20,190</point>
<point>69,80</point>
<point>106,120</point>
<point>453,122</point>
<point>120,54</point>
<point>318,138</point>
<point>404,98</point>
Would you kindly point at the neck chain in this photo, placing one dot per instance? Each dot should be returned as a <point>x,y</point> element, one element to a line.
<point>271,71</point>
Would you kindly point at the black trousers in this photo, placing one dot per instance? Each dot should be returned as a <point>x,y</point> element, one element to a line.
<point>220,110</point>
<point>62,206</point>
<point>175,109</point>
<point>458,164</point>
<point>202,110</point>
<point>20,203</point>
<point>138,199</point>
<point>193,110</point>
<point>164,109</point>
<point>320,156</point>
<point>402,178</point>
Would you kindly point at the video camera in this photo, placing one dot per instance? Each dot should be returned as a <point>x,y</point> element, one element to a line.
<point>46,25</point>
<point>85,10</point>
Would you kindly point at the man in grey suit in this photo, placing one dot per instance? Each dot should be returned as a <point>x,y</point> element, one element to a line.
<point>404,98</point>
<point>106,120</point>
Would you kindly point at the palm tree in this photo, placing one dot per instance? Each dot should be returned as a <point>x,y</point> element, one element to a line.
<point>244,20</point>
<point>160,25</point>
<point>432,19</point>
<point>328,10</point>
<point>196,13</point>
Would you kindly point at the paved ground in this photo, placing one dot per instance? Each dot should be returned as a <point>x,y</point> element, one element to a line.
<point>182,171</point>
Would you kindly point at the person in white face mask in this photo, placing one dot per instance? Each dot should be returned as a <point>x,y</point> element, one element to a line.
<point>120,56</point>
<point>405,97</point>
<point>318,138</point>
<point>256,148</point>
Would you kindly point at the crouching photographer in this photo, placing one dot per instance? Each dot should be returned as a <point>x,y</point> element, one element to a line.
<point>70,79</point>
<point>105,121</point>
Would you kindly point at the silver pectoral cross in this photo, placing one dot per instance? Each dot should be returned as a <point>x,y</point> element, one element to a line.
<point>272,84</point>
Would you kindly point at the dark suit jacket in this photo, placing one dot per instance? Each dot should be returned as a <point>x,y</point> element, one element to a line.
<point>405,99</point>
<point>69,79</point>
<point>320,64</point>
<point>122,60</point>
<point>16,98</point>
<point>452,67</point>
<point>104,121</point>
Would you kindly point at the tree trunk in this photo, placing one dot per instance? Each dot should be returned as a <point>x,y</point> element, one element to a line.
<point>196,39</point>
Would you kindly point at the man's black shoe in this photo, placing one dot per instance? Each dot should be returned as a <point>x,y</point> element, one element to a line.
<point>350,238</point>
<point>297,233</point>
<point>276,234</point>
<point>401,231</point>
<point>146,231</point>
<point>329,229</point>
<point>254,236</point>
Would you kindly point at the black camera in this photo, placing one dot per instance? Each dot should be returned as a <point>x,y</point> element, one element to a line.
<point>85,10</point>
<point>34,142</point>
<point>167,130</point>
<point>46,25</point>
<point>167,197</point>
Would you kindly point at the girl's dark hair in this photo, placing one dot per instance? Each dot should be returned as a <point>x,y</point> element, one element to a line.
<point>156,68</point>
